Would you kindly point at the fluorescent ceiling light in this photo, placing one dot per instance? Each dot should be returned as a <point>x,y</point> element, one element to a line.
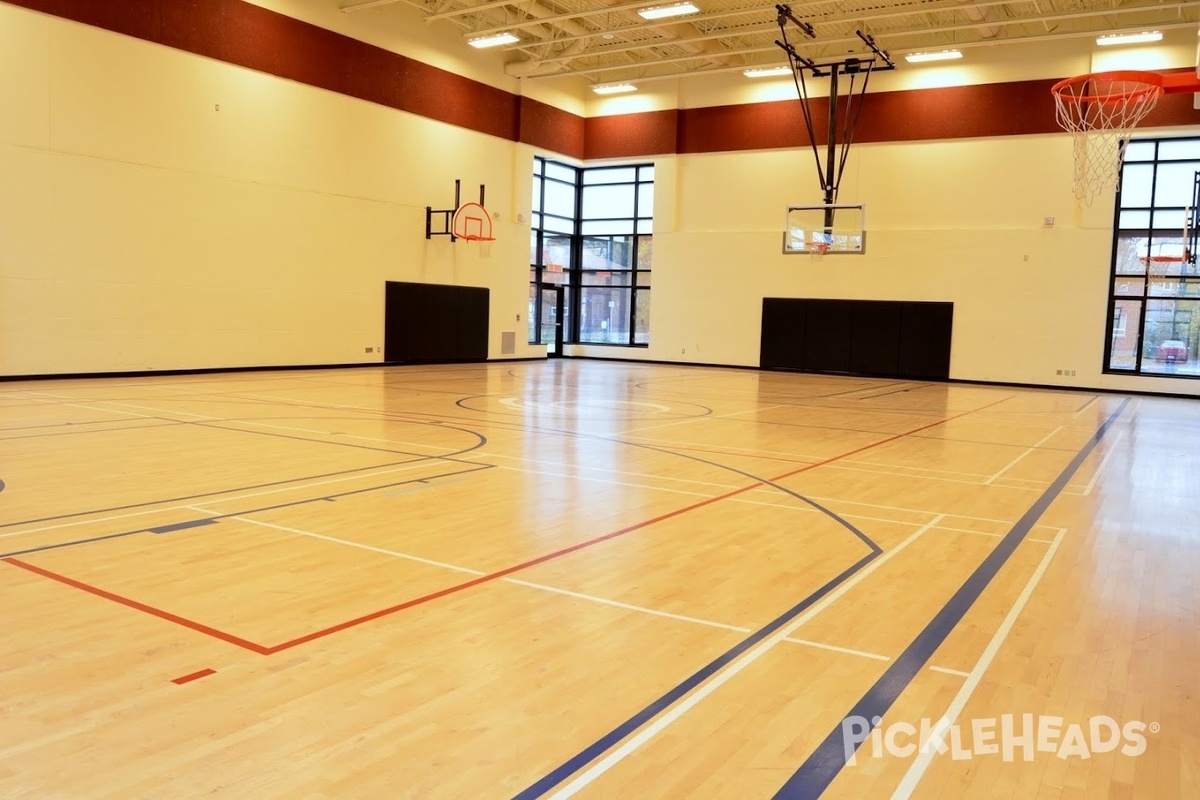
<point>493,40</point>
<point>614,88</point>
<point>767,72</point>
<point>1129,38</point>
<point>941,55</point>
<point>675,10</point>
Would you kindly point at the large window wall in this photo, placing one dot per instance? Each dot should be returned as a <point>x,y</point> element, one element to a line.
<point>592,235</point>
<point>1154,309</point>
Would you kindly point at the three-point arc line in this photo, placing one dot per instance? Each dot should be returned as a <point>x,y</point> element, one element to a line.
<point>352,623</point>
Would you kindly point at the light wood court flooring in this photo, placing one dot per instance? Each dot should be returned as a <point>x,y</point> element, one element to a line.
<point>594,579</point>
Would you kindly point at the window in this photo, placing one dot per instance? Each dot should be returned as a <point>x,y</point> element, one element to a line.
<point>1154,297</point>
<point>592,235</point>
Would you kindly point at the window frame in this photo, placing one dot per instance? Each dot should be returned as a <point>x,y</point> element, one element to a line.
<point>639,234</point>
<point>1149,238</point>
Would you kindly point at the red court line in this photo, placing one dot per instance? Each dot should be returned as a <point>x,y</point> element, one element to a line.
<point>134,604</point>
<point>506,571</point>
<point>320,634</point>
<point>890,439</point>
<point>589,542</point>
<point>195,676</point>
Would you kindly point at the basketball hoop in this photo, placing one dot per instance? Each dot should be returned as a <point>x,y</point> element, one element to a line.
<point>484,242</point>
<point>817,249</point>
<point>1159,264</point>
<point>1099,110</point>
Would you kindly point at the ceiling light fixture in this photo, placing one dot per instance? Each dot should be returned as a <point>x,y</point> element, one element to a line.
<point>674,10</point>
<point>493,40</point>
<point>941,55</point>
<point>1129,38</point>
<point>614,88</point>
<point>767,72</point>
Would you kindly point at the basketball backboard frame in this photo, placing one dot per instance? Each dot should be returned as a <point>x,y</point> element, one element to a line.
<point>825,229</point>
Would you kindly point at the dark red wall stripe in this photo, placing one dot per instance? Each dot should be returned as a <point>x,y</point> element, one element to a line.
<point>552,128</point>
<point>250,36</point>
<point>648,133</point>
<point>256,38</point>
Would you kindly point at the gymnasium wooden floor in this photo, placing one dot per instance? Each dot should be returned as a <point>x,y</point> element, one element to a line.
<point>621,581</point>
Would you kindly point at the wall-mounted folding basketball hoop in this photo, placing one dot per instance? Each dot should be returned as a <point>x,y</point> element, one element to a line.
<point>469,221</point>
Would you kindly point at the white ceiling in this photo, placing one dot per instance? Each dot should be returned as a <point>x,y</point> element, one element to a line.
<point>605,41</point>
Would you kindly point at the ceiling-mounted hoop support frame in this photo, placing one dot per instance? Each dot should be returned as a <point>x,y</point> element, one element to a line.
<point>447,214</point>
<point>843,121</point>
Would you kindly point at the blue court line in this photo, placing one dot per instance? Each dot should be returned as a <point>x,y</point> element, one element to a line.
<point>824,764</point>
<point>183,526</point>
<point>610,739</point>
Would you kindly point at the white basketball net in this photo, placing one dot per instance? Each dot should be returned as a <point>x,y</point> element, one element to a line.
<point>1100,110</point>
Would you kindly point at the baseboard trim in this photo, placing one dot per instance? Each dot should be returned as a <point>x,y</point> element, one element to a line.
<point>262,368</point>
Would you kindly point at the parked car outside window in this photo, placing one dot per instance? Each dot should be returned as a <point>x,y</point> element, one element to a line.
<point>1173,350</point>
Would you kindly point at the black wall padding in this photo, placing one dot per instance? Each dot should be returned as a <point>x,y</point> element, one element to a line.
<point>827,332</point>
<point>925,336</point>
<point>875,346</point>
<point>887,338</point>
<point>782,333</point>
<point>426,322</point>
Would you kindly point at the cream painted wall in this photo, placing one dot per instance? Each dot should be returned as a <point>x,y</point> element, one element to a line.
<point>159,210</point>
<point>959,221</point>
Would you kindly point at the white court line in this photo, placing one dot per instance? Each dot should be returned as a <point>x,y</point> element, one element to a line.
<point>341,435</point>
<point>949,671</point>
<point>348,543</point>
<point>993,535</point>
<point>746,659</point>
<point>1112,450</point>
<point>797,505</point>
<point>553,589</point>
<point>1019,458</point>
<point>94,521</point>
<point>915,772</point>
<point>203,510</point>
<point>167,508</point>
<point>698,419</point>
<point>835,648</point>
<point>763,487</point>
<point>155,410</point>
<point>920,477</point>
<point>626,606</point>
<point>801,459</point>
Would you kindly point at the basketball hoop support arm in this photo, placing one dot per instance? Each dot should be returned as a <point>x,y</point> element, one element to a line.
<point>447,213</point>
<point>830,173</point>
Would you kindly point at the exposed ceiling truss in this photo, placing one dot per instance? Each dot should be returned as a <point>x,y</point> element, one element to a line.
<point>606,41</point>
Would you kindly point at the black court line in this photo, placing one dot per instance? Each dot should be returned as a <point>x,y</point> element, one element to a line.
<point>824,764</point>
<point>1085,405</point>
<point>167,423</point>
<point>183,526</point>
<point>651,711</point>
<point>218,517</point>
<point>417,458</point>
